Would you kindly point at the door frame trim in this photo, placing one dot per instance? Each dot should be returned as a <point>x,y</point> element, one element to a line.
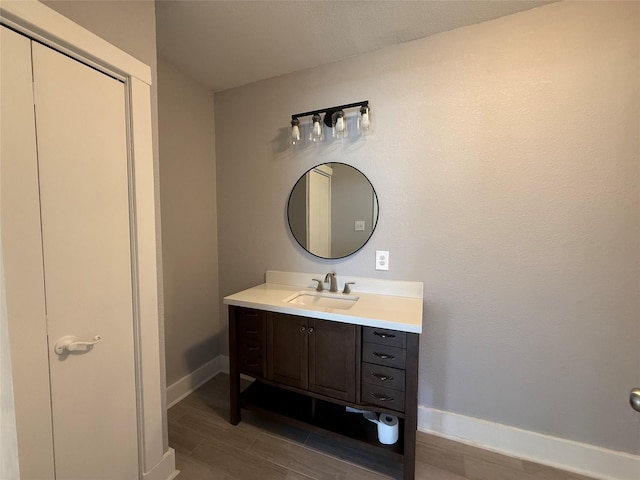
<point>47,26</point>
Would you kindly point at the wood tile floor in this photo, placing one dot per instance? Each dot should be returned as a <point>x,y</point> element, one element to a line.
<point>208,447</point>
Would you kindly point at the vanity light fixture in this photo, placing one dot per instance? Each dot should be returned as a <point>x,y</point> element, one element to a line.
<point>334,118</point>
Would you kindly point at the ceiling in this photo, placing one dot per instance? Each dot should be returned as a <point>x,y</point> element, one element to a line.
<point>226,44</point>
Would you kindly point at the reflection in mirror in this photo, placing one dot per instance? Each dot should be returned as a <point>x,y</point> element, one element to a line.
<point>333,210</point>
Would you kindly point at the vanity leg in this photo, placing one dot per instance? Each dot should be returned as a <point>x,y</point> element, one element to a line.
<point>411,407</point>
<point>234,375</point>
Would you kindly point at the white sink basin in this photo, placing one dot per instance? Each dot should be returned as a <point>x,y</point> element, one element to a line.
<point>338,301</point>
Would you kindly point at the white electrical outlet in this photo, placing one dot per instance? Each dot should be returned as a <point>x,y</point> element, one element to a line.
<point>382,260</point>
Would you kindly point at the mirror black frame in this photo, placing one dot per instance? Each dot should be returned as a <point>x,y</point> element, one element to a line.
<point>375,222</point>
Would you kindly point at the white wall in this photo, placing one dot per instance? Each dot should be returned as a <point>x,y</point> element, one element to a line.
<point>189,236</point>
<point>506,161</point>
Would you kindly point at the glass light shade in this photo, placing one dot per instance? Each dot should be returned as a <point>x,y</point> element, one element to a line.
<point>365,126</point>
<point>296,135</point>
<point>339,122</point>
<point>316,132</point>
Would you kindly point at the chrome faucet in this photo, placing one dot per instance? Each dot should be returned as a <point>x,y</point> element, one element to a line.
<point>331,279</point>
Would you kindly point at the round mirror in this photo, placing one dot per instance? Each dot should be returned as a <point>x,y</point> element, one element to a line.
<point>332,210</point>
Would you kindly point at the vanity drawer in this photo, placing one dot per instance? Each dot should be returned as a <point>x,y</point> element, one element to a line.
<point>383,397</point>
<point>247,314</point>
<point>384,355</point>
<point>252,364</point>
<point>251,331</point>
<point>383,376</point>
<point>251,342</point>
<point>382,336</point>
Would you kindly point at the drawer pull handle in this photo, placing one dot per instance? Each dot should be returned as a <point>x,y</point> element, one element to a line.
<point>252,332</point>
<point>252,365</point>
<point>381,398</point>
<point>384,335</point>
<point>252,349</point>
<point>383,356</point>
<point>381,377</point>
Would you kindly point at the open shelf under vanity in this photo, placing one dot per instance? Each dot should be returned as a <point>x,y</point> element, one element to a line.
<point>321,416</point>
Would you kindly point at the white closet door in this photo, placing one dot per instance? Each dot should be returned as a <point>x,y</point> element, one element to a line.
<point>84,194</point>
<point>319,211</point>
<point>22,257</point>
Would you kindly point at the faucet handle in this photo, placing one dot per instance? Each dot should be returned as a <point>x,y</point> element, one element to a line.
<point>319,287</point>
<point>346,287</point>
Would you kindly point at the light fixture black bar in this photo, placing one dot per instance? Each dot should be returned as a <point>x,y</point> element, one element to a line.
<point>364,103</point>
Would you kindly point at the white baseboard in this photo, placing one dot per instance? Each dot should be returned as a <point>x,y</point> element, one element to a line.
<point>165,469</point>
<point>544,449</point>
<point>187,384</point>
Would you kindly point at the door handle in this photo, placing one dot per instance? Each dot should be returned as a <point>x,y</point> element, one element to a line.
<point>69,344</point>
<point>634,399</point>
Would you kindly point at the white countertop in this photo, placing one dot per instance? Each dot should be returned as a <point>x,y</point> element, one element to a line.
<point>403,313</point>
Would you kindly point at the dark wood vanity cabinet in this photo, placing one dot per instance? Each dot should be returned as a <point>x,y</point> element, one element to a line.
<point>309,369</point>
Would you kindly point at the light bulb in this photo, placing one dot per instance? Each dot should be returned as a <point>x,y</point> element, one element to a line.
<point>364,121</point>
<point>316,129</point>
<point>339,124</point>
<point>295,131</point>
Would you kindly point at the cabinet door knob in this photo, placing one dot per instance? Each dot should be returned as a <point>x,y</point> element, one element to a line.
<point>634,399</point>
<point>303,329</point>
<point>383,356</point>
<point>310,330</point>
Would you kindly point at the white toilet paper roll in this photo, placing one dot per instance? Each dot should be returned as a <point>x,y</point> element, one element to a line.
<point>388,429</point>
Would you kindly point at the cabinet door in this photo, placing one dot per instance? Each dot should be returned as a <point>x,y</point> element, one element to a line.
<point>287,349</point>
<point>332,359</point>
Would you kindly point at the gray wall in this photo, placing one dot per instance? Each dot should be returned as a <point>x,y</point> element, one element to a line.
<point>505,159</point>
<point>351,200</point>
<point>189,236</point>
